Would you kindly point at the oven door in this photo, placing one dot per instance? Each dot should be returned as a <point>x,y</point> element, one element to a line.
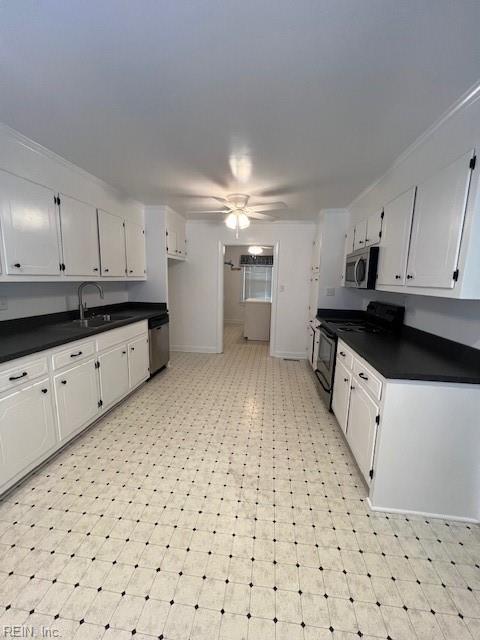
<point>326,350</point>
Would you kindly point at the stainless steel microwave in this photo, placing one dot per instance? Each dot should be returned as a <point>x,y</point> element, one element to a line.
<point>361,268</point>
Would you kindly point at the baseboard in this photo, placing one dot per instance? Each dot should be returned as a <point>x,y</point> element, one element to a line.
<point>192,349</point>
<point>423,514</point>
<point>290,355</point>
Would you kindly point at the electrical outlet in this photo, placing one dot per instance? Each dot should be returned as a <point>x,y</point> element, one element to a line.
<point>3,304</point>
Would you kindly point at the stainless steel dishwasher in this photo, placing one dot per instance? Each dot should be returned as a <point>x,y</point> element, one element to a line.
<point>158,334</point>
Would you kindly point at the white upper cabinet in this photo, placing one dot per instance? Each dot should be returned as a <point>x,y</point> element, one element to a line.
<point>135,248</point>
<point>349,240</point>
<point>374,229</point>
<point>397,221</point>
<point>80,248</point>
<point>175,234</point>
<point>438,224</point>
<point>29,227</point>
<point>111,232</point>
<point>360,235</point>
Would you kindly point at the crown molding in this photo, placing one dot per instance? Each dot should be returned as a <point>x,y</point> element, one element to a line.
<point>40,150</point>
<point>467,99</point>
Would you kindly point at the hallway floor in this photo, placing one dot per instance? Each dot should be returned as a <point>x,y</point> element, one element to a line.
<point>221,502</point>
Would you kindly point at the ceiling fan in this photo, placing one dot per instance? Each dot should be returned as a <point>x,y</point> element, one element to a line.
<point>238,210</point>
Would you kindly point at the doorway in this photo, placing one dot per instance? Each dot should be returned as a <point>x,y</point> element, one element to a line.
<point>247,295</point>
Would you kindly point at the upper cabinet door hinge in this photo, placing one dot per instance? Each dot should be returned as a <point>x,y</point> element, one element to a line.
<point>97,365</point>
<point>382,215</point>
<point>100,403</point>
<point>456,273</point>
<point>377,419</point>
<point>370,473</point>
<point>473,162</point>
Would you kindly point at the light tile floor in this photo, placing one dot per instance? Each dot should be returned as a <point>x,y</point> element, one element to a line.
<point>221,502</point>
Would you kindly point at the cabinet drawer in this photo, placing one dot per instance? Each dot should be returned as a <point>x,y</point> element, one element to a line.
<point>368,379</point>
<point>75,352</point>
<point>344,355</point>
<point>123,334</point>
<point>23,371</point>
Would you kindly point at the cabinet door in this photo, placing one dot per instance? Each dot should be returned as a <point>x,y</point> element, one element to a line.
<point>77,397</point>
<point>27,428</point>
<point>362,428</point>
<point>341,394</point>
<point>138,361</point>
<point>181,238</point>
<point>112,244</point>
<point>29,223</point>
<point>114,375</point>
<point>171,240</point>
<point>437,226</point>
<point>374,228</point>
<point>397,222</point>
<point>79,238</point>
<point>360,235</point>
<point>350,240</point>
<point>135,246</point>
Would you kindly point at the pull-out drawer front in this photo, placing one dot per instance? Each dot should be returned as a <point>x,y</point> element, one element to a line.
<point>122,334</point>
<point>344,355</point>
<point>368,378</point>
<point>75,352</point>
<point>21,371</point>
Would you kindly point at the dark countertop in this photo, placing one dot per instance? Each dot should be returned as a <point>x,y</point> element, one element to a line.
<point>23,336</point>
<point>411,354</point>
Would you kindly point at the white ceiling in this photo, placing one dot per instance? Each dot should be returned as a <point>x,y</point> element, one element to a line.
<point>313,98</point>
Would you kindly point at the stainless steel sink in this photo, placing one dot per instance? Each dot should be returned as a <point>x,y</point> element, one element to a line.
<point>99,321</point>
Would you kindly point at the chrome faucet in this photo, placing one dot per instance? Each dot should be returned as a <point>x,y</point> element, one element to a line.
<point>82,307</point>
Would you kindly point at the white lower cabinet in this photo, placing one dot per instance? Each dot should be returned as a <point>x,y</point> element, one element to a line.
<point>27,429</point>
<point>77,397</point>
<point>362,428</point>
<point>114,379</point>
<point>341,394</point>
<point>138,360</point>
<point>48,398</point>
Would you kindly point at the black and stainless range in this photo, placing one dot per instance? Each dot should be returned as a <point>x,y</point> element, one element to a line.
<point>379,318</point>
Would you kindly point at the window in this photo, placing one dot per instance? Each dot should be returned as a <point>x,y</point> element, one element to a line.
<point>257,283</point>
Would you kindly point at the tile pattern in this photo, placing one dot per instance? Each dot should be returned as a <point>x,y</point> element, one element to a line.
<point>221,502</point>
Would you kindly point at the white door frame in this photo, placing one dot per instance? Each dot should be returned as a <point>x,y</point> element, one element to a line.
<point>220,293</point>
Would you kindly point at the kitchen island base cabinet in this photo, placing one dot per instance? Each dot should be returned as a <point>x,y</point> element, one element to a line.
<point>27,430</point>
<point>77,397</point>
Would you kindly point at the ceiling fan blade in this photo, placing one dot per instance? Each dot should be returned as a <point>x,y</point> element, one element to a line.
<point>259,216</point>
<point>269,206</point>
<point>208,211</point>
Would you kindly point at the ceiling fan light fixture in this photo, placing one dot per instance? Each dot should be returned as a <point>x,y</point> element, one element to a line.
<point>237,220</point>
<point>255,251</point>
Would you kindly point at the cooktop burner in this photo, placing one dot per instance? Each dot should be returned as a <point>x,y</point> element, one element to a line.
<point>360,327</point>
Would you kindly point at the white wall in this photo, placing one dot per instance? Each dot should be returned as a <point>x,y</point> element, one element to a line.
<point>453,135</point>
<point>38,298</point>
<point>193,285</point>
<point>154,289</point>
